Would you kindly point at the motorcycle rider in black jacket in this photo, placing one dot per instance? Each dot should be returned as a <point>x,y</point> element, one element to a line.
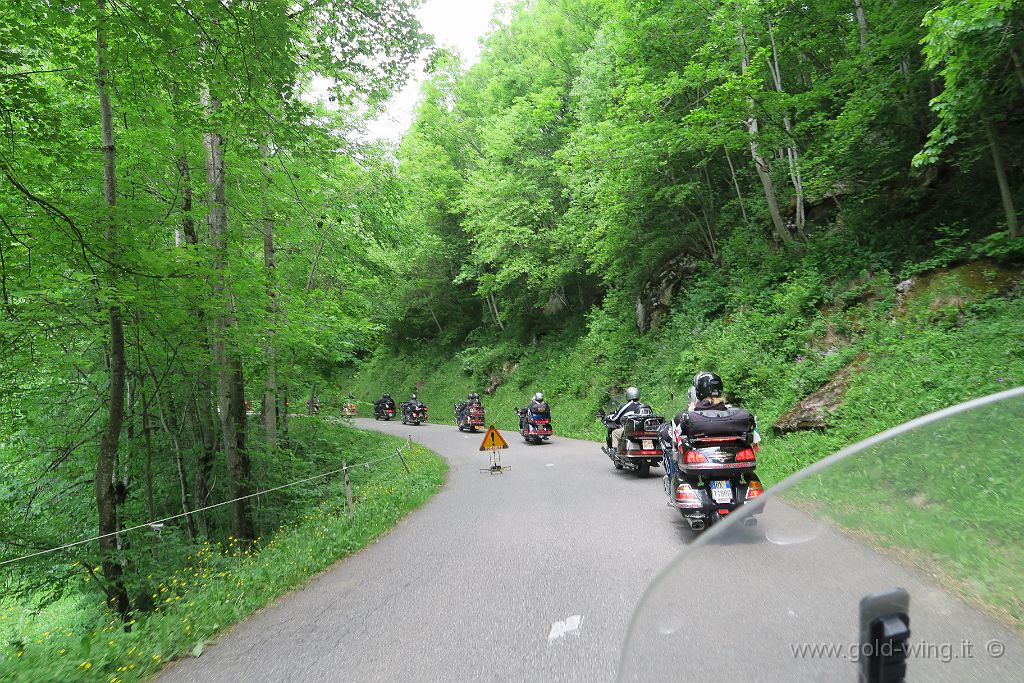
<point>614,422</point>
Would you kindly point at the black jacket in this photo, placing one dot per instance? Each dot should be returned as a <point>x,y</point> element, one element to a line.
<point>628,408</point>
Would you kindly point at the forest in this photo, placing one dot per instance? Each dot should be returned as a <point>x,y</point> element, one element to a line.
<point>197,238</point>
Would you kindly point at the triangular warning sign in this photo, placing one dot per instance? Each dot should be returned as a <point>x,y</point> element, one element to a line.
<point>493,440</point>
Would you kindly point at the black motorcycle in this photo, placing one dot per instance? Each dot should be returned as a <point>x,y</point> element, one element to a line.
<point>709,477</point>
<point>414,413</point>
<point>469,418</point>
<point>383,411</point>
<point>640,446</point>
<point>534,426</point>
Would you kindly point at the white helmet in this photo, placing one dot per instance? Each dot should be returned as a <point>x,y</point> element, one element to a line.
<point>538,397</point>
<point>632,393</point>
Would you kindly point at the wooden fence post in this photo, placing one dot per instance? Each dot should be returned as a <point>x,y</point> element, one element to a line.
<point>348,488</point>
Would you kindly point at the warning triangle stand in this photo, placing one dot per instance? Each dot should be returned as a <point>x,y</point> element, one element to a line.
<point>494,442</point>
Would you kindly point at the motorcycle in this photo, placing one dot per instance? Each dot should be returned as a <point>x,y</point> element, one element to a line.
<point>535,427</point>
<point>709,477</point>
<point>882,562</point>
<point>414,414</point>
<point>349,410</point>
<point>469,418</point>
<point>383,412</point>
<point>640,445</point>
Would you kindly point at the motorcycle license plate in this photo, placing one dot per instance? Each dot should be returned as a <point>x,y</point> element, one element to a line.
<point>721,491</point>
<point>648,444</point>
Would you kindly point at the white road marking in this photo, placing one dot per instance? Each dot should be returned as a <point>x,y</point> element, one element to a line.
<point>560,628</point>
<point>550,464</point>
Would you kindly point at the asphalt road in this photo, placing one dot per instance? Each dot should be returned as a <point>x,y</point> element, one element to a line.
<point>533,575</point>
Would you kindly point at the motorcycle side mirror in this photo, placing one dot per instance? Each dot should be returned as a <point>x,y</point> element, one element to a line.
<point>884,633</point>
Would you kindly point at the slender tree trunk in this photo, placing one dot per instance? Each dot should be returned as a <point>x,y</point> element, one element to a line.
<point>203,407</point>
<point>760,163</point>
<point>147,430</point>
<point>862,23</point>
<point>172,433</point>
<point>1017,68</point>
<point>493,306</point>
<point>268,408</point>
<point>736,183</point>
<point>1004,185</point>
<point>106,498</point>
<point>440,330</point>
<point>791,153</point>
<point>226,361</point>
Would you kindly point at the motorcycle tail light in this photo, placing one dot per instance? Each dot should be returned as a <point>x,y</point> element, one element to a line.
<point>747,454</point>
<point>693,457</point>
<point>685,495</point>
<point>754,490</point>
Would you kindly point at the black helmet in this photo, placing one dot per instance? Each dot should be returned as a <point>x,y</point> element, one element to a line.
<point>709,385</point>
<point>387,395</point>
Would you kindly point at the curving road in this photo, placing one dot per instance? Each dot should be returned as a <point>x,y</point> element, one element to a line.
<point>533,575</point>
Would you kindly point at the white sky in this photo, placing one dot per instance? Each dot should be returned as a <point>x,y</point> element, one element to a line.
<point>457,24</point>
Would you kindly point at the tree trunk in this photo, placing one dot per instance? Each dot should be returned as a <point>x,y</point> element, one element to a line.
<point>862,23</point>
<point>760,163</point>
<point>227,362</point>
<point>736,183</point>
<point>493,307</point>
<point>791,153</point>
<point>203,408</point>
<point>268,408</point>
<point>106,498</point>
<point>1004,185</point>
<point>147,430</point>
<point>172,433</point>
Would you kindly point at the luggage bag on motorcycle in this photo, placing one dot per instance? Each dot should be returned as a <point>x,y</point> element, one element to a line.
<point>641,425</point>
<point>729,422</point>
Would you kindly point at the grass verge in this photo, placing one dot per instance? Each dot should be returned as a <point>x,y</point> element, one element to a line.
<point>219,585</point>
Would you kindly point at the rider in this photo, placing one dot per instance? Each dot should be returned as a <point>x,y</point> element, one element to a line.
<point>537,405</point>
<point>413,402</point>
<point>463,408</point>
<point>631,406</point>
<point>385,402</point>
<point>707,402</point>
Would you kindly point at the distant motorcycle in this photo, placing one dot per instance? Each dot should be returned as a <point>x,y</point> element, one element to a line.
<point>414,413</point>
<point>383,411</point>
<point>469,418</point>
<point>711,475</point>
<point>640,446</point>
<point>534,426</point>
<point>349,409</point>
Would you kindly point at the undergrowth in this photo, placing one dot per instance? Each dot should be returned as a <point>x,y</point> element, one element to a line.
<point>212,586</point>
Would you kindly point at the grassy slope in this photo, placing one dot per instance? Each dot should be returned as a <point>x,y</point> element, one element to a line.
<point>952,342</point>
<point>217,586</point>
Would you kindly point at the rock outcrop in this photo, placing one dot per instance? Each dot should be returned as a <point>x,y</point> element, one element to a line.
<point>813,411</point>
<point>655,299</point>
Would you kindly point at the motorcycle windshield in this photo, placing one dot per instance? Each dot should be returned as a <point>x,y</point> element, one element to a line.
<point>935,507</point>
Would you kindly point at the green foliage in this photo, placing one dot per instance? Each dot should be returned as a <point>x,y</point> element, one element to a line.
<point>199,591</point>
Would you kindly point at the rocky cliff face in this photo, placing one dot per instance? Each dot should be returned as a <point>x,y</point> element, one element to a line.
<point>655,299</point>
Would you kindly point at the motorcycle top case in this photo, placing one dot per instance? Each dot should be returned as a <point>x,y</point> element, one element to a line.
<point>642,424</point>
<point>729,422</point>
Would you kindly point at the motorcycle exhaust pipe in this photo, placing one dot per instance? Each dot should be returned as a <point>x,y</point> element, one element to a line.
<point>697,524</point>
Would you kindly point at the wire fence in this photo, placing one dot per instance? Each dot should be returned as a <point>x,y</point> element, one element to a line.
<point>158,524</point>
